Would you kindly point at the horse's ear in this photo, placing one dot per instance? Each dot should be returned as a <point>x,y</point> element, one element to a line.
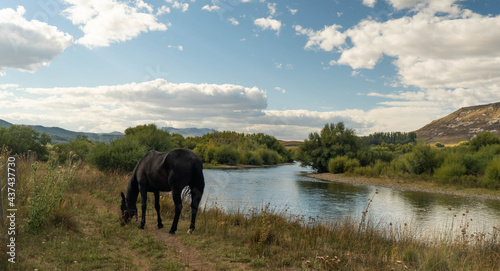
<point>123,196</point>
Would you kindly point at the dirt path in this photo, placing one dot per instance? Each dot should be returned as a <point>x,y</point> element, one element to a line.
<point>186,255</point>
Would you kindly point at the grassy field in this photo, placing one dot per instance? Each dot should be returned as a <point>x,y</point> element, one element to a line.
<point>82,232</point>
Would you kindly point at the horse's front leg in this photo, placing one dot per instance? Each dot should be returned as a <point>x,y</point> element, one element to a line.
<point>157,207</point>
<point>144,199</point>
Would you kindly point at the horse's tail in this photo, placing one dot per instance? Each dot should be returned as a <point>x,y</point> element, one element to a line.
<point>198,178</point>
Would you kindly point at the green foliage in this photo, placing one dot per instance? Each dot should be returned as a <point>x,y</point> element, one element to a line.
<point>76,149</point>
<point>439,145</point>
<point>20,138</point>
<point>396,138</point>
<point>123,154</point>
<point>422,159</point>
<point>334,140</point>
<point>232,148</point>
<point>226,154</point>
<point>49,185</point>
<point>484,139</point>
<point>153,138</point>
<point>342,164</point>
<point>492,175</point>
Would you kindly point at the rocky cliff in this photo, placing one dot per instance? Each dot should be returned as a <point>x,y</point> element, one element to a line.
<point>462,125</point>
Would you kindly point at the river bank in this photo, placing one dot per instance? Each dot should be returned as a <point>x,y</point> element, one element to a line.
<point>417,186</point>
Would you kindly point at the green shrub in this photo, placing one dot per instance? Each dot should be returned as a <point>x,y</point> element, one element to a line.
<point>484,139</point>
<point>342,164</point>
<point>491,177</point>
<point>422,159</point>
<point>269,157</point>
<point>253,158</point>
<point>450,172</point>
<point>123,154</point>
<point>226,155</point>
<point>49,185</point>
<point>210,153</point>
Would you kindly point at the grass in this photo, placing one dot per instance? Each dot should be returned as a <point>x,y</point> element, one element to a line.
<point>83,232</point>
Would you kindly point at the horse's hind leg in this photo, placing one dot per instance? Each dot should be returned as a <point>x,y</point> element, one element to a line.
<point>144,199</point>
<point>176,194</point>
<point>196,193</point>
<point>157,207</point>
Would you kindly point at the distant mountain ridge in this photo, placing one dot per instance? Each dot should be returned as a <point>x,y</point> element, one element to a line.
<point>60,135</point>
<point>189,132</point>
<point>462,125</point>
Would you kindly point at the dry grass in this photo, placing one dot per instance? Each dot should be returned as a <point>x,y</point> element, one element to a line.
<point>84,233</point>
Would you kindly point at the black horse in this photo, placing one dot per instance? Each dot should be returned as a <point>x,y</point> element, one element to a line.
<point>164,171</point>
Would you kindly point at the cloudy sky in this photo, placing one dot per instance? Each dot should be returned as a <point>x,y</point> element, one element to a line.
<point>284,67</point>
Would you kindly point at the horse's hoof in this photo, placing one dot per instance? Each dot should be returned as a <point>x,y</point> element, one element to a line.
<point>141,227</point>
<point>190,231</point>
<point>172,232</point>
<point>160,226</point>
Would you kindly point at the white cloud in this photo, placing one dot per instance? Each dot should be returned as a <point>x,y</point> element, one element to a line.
<point>443,55</point>
<point>107,21</point>
<point>162,10</point>
<point>222,107</point>
<point>121,106</point>
<point>327,39</point>
<point>177,5</point>
<point>233,21</point>
<point>268,23</point>
<point>280,90</point>
<point>178,47</point>
<point>28,45</point>
<point>293,11</point>
<point>210,8</point>
<point>272,8</point>
<point>369,3</point>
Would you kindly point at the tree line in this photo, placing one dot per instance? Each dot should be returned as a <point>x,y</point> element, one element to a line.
<point>335,149</point>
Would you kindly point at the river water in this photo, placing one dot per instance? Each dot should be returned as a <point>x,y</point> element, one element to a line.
<point>287,190</point>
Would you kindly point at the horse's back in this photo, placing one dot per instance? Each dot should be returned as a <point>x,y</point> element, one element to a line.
<point>165,171</point>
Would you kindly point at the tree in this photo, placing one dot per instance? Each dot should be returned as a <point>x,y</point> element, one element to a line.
<point>333,140</point>
<point>20,139</point>
<point>484,139</point>
<point>153,138</point>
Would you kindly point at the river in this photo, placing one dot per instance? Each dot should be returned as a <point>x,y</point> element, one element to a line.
<point>287,190</point>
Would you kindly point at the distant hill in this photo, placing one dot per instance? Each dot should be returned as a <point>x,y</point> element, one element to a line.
<point>60,135</point>
<point>188,132</point>
<point>463,124</point>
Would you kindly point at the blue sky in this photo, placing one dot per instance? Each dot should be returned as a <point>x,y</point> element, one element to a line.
<point>284,68</point>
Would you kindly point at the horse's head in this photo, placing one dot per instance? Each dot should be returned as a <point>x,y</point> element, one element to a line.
<point>127,213</point>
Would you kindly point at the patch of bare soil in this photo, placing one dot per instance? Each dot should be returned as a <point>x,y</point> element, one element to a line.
<point>185,255</point>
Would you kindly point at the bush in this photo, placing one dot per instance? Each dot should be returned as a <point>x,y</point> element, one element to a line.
<point>123,154</point>
<point>342,164</point>
<point>484,139</point>
<point>253,158</point>
<point>422,159</point>
<point>269,157</point>
<point>226,155</point>
<point>450,172</point>
<point>47,193</point>
<point>491,177</point>
<point>439,145</point>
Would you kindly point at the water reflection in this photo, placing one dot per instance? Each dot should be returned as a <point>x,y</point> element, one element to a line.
<point>286,188</point>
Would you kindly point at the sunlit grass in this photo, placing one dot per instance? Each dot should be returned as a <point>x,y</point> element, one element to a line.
<point>83,233</point>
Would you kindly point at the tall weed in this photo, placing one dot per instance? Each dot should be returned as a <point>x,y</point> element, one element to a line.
<point>49,183</point>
